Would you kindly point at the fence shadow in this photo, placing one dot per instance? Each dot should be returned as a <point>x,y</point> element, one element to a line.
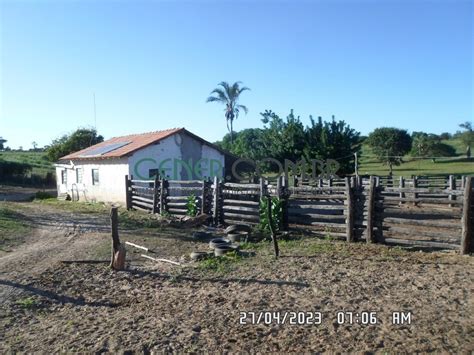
<point>155,275</point>
<point>56,297</point>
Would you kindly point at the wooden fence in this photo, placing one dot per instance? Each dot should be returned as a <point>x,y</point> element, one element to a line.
<point>422,211</point>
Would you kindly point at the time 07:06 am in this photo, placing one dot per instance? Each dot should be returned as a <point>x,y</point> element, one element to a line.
<point>367,318</point>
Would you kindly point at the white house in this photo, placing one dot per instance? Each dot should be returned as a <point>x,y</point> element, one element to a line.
<point>98,173</point>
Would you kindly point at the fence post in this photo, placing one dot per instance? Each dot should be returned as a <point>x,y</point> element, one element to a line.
<point>215,201</point>
<point>155,195</point>
<point>369,238</point>
<point>262,187</point>
<point>466,237</point>
<point>117,261</point>
<point>278,195</point>
<point>162,195</point>
<point>402,185</point>
<point>203,197</point>
<point>353,181</point>
<point>128,193</point>
<point>284,194</point>
<point>350,211</point>
<point>452,186</point>
<point>415,185</point>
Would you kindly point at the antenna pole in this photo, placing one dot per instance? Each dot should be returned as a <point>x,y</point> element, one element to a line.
<point>95,115</point>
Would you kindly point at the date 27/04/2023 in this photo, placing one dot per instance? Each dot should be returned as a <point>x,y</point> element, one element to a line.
<point>317,318</point>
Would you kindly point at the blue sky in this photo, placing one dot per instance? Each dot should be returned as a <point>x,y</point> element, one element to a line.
<point>152,64</point>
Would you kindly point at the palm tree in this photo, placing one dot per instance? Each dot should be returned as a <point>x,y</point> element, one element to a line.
<point>467,137</point>
<point>229,96</point>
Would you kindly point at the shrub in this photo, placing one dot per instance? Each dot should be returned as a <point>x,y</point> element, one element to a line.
<point>41,195</point>
<point>276,211</point>
<point>191,205</point>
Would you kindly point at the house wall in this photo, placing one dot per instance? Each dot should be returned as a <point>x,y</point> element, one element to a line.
<point>164,154</point>
<point>150,158</point>
<point>111,186</point>
<point>167,154</point>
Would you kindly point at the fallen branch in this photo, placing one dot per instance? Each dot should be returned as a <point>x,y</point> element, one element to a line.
<point>163,260</point>
<point>138,246</point>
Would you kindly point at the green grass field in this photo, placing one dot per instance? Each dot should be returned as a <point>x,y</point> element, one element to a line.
<point>40,165</point>
<point>457,165</point>
<point>12,227</point>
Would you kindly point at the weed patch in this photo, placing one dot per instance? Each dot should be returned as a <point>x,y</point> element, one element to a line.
<point>221,264</point>
<point>12,227</point>
<point>26,303</point>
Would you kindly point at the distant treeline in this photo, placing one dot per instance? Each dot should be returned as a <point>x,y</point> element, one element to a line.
<point>289,138</point>
<point>20,173</point>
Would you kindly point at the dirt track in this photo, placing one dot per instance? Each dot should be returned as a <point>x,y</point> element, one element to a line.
<point>84,306</point>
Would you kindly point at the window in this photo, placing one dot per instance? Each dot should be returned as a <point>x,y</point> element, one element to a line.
<point>95,176</point>
<point>64,177</point>
<point>79,174</point>
<point>152,173</point>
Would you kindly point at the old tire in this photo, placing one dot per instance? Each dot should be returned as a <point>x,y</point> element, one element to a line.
<point>198,255</point>
<point>200,235</point>
<point>237,228</point>
<point>222,249</point>
<point>234,237</point>
<point>238,236</point>
<point>218,242</point>
<point>235,246</point>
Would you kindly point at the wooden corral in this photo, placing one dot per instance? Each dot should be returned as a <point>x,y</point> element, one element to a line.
<point>421,211</point>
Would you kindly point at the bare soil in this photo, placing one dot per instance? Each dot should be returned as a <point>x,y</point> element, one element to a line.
<point>58,294</point>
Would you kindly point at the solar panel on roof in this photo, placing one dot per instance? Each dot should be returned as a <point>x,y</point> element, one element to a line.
<point>104,149</point>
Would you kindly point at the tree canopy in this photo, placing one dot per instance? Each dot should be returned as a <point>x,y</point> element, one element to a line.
<point>389,145</point>
<point>467,137</point>
<point>69,143</point>
<point>290,139</point>
<point>229,95</point>
<point>430,146</point>
<point>2,142</point>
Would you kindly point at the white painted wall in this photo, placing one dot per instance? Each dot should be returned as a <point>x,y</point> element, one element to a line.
<point>169,148</point>
<point>150,157</point>
<point>111,187</point>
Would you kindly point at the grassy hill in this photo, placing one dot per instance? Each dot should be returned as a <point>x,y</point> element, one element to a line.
<point>368,164</point>
<point>37,160</point>
<point>457,165</point>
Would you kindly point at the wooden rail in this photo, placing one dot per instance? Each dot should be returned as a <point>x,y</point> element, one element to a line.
<point>420,211</point>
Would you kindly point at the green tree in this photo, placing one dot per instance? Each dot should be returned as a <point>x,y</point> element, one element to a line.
<point>229,96</point>
<point>79,139</point>
<point>283,139</point>
<point>248,143</point>
<point>430,145</point>
<point>389,145</point>
<point>2,142</point>
<point>288,138</point>
<point>332,140</point>
<point>467,137</point>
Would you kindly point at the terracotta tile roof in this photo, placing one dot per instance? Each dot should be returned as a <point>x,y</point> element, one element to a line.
<point>134,143</point>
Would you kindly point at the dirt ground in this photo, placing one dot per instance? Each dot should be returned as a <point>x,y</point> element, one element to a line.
<point>58,294</point>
